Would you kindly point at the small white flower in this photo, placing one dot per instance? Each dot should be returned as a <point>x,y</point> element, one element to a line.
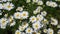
<point>3,22</point>
<point>40,17</point>
<point>11,21</point>
<point>44,13</point>
<point>45,21</point>
<point>25,24</point>
<point>17,15</point>
<point>35,12</point>
<point>40,2</point>
<point>9,6</point>
<point>45,30</point>
<point>17,32</point>
<point>33,19</point>
<point>29,30</point>
<point>48,3</point>
<point>50,31</point>
<point>36,25</point>
<point>24,15</point>
<point>21,28</point>
<point>54,21</point>
<point>27,1</point>
<point>39,8</point>
<point>19,9</point>
<point>52,4</point>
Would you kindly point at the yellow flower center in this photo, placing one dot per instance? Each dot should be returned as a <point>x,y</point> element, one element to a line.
<point>36,26</point>
<point>50,32</point>
<point>29,30</point>
<point>37,19</point>
<point>33,19</point>
<point>9,6</point>
<point>17,15</point>
<point>24,14</point>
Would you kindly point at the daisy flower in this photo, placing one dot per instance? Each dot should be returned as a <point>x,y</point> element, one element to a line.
<point>25,24</point>
<point>29,30</point>
<point>19,9</point>
<point>36,25</point>
<point>45,30</point>
<point>21,28</point>
<point>52,4</point>
<point>48,3</point>
<point>9,6</point>
<point>24,15</point>
<point>39,17</point>
<point>44,13</point>
<point>17,15</point>
<point>45,21</point>
<point>33,19</point>
<point>54,21</point>
<point>39,8</point>
<point>3,22</point>
<point>40,2</point>
<point>11,21</point>
<point>35,12</point>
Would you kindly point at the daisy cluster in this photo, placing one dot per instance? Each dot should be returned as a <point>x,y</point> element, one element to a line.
<point>30,22</point>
